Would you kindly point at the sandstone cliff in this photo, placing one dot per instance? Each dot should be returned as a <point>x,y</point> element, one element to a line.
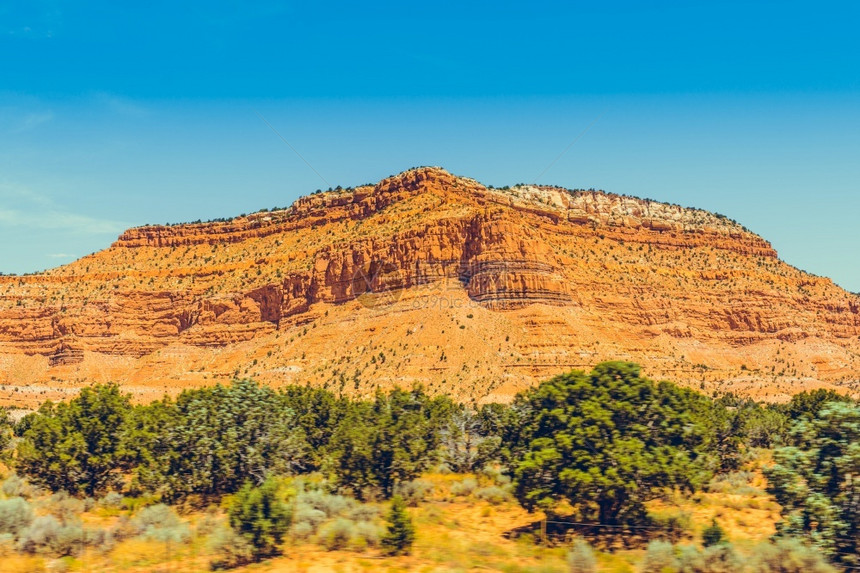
<point>431,278</point>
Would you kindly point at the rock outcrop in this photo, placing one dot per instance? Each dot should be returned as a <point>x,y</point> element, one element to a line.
<point>432,278</point>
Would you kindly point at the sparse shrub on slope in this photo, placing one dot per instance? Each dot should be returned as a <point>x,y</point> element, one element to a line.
<point>313,508</point>
<point>306,520</point>
<point>363,512</point>
<point>367,534</point>
<point>100,539</point>
<point>732,482</point>
<point>329,504</point>
<point>343,533</point>
<point>337,522</point>
<point>7,544</point>
<point>496,476</point>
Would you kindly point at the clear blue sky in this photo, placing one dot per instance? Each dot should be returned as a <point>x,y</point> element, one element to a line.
<point>113,116</point>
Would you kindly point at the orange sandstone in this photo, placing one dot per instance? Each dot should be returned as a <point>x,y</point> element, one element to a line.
<point>434,279</point>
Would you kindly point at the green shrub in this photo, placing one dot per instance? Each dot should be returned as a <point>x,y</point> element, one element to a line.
<point>413,492</point>
<point>580,558</point>
<point>789,555</point>
<point>714,559</point>
<point>659,558</point>
<point>232,549</point>
<point>15,515</point>
<point>75,446</point>
<point>65,507</point>
<point>465,487</point>
<point>112,500</point>
<point>16,486</point>
<point>100,539</point>
<point>391,440</point>
<point>337,534</point>
<point>607,442</point>
<point>713,534</point>
<point>366,535</point>
<point>493,494</point>
<point>46,535</point>
<point>815,481</point>
<point>363,512</point>
<point>400,536</point>
<point>210,440</point>
<point>6,432</point>
<point>260,517</point>
<point>160,523</point>
<point>330,505</point>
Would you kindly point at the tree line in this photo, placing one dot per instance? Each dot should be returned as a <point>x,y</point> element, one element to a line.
<point>599,444</point>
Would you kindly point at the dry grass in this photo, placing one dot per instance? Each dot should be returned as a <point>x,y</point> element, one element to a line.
<point>455,533</point>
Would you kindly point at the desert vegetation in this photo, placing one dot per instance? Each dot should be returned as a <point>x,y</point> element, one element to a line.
<point>589,471</point>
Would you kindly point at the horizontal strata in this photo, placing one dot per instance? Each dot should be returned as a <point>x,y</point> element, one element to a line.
<point>638,272</point>
<point>676,225</point>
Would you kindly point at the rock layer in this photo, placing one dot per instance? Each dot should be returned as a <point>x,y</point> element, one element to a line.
<point>498,288</point>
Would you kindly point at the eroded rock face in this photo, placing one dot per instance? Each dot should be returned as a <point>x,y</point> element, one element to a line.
<point>691,295</point>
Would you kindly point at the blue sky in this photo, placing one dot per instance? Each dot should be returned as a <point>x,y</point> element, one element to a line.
<point>113,116</point>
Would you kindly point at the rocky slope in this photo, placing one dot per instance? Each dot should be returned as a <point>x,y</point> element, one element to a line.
<point>435,279</point>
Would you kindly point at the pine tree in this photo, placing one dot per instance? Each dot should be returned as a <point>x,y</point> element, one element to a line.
<point>815,482</point>
<point>260,517</point>
<point>401,532</point>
